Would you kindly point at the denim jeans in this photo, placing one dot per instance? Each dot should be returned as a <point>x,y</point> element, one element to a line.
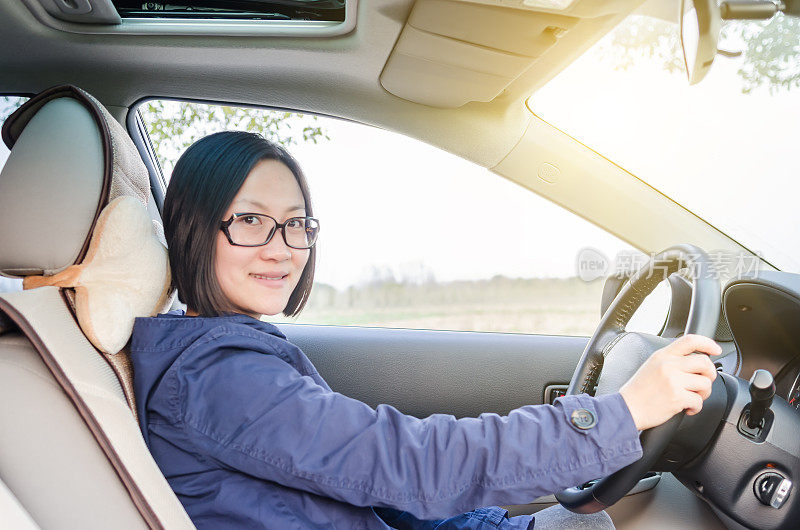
<point>494,517</point>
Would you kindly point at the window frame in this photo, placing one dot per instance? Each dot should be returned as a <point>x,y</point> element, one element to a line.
<point>138,131</point>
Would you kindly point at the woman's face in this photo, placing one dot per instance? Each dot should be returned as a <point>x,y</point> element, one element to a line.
<point>260,280</point>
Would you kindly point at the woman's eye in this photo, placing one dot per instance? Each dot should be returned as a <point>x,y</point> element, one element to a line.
<point>295,223</point>
<point>251,220</point>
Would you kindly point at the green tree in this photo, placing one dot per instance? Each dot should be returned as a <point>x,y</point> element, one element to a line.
<point>770,50</point>
<point>641,36</point>
<point>175,125</point>
<point>9,104</point>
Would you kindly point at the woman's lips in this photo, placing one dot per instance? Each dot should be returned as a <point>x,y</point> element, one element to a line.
<point>274,280</point>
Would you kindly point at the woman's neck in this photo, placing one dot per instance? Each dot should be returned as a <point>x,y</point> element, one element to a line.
<point>193,313</point>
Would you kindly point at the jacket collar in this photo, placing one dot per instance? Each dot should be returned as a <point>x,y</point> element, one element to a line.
<point>202,322</point>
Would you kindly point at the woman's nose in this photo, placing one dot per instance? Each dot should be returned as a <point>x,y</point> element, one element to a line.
<point>276,249</point>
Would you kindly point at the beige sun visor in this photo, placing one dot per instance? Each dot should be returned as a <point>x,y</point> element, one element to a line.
<point>452,52</point>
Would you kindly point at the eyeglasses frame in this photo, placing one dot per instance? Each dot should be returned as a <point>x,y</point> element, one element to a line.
<point>278,226</point>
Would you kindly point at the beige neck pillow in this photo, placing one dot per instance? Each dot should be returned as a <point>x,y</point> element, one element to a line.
<point>125,275</point>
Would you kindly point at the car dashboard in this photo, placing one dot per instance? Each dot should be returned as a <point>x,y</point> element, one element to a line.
<point>763,313</point>
<point>746,472</point>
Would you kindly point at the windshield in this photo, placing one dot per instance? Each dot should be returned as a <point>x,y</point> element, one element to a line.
<point>724,148</point>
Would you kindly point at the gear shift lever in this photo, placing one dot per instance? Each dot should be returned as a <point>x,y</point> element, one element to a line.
<point>762,390</point>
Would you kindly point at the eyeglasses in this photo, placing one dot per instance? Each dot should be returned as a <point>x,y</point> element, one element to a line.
<point>257,229</point>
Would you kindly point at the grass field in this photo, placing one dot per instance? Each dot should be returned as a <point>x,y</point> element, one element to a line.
<point>538,305</point>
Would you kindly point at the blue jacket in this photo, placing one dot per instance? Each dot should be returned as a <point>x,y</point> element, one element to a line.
<point>250,436</point>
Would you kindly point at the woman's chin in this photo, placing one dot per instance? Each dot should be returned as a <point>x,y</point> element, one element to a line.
<point>266,310</point>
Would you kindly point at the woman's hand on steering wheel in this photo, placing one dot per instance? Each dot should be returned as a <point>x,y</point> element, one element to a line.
<point>654,393</point>
<point>671,380</point>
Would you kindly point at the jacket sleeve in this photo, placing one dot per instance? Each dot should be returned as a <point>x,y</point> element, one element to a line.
<point>253,412</point>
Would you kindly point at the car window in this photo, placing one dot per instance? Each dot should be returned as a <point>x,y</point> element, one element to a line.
<point>8,104</point>
<point>721,148</point>
<point>414,237</point>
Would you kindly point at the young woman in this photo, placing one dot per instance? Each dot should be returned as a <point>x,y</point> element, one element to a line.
<point>250,436</point>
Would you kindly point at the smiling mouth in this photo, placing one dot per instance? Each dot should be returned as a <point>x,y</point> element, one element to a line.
<point>273,277</point>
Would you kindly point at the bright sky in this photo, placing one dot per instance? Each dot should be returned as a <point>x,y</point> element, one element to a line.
<point>390,202</point>
<point>727,156</point>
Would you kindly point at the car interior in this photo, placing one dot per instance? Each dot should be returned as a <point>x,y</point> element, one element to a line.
<point>455,74</point>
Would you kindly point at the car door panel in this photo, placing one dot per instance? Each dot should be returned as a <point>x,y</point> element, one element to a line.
<point>424,372</point>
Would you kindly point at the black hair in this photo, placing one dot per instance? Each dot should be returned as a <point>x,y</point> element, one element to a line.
<point>206,178</point>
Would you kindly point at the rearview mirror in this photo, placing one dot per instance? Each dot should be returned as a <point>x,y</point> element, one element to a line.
<point>700,24</point>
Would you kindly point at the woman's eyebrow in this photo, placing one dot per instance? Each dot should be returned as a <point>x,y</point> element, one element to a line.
<point>264,207</point>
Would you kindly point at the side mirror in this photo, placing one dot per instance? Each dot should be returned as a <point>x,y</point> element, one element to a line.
<point>700,24</point>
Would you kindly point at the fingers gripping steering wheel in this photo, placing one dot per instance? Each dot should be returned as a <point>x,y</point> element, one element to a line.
<point>702,320</point>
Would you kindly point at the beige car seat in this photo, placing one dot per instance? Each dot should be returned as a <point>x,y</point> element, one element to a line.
<point>71,452</point>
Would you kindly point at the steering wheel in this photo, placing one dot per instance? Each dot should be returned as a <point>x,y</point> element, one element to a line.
<point>702,320</point>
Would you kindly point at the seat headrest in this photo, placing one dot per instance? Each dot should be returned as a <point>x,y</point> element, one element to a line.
<point>73,195</point>
<point>124,275</point>
<point>69,158</point>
